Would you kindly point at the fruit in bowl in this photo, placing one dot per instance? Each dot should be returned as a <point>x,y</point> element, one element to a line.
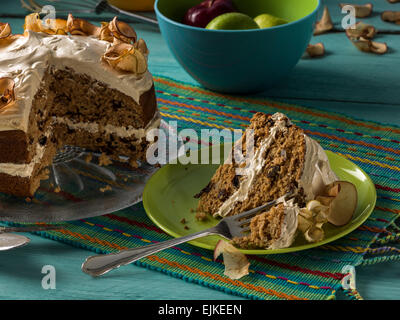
<point>232,21</point>
<point>266,20</point>
<point>203,13</point>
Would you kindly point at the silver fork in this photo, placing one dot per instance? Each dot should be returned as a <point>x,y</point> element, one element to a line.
<point>230,227</point>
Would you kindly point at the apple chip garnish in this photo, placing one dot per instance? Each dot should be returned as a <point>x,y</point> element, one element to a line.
<point>142,47</point>
<point>81,27</point>
<point>361,29</point>
<point>105,33</point>
<point>5,30</point>
<point>55,26</point>
<point>33,23</point>
<point>311,220</point>
<point>124,57</point>
<point>315,50</point>
<point>122,31</point>
<point>341,199</point>
<point>236,263</point>
<point>6,91</point>
<point>325,24</point>
<point>361,10</point>
<point>368,45</point>
<point>391,16</point>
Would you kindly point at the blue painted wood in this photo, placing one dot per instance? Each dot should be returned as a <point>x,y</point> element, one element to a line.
<point>359,84</point>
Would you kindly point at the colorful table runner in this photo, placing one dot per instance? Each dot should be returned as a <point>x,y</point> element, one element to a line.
<point>309,274</point>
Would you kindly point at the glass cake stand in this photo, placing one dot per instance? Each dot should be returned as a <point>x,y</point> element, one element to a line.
<point>78,189</point>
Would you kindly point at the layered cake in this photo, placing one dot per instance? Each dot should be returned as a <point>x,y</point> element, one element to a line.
<point>68,82</point>
<point>284,159</point>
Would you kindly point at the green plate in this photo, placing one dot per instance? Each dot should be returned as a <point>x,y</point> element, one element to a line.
<point>168,198</point>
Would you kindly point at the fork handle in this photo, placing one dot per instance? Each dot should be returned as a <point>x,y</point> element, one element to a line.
<point>100,264</point>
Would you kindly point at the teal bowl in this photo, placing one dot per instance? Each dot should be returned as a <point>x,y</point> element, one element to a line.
<point>239,61</point>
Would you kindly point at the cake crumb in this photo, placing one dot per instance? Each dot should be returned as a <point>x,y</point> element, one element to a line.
<point>106,188</point>
<point>104,160</point>
<point>89,157</point>
<point>201,216</point>
<point>186,227</point>
<point>183,221</point>
<point>133,163</point>
<point>192,210</point>
<point>57,189</point>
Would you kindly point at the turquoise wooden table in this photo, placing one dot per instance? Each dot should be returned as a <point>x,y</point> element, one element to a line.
<point>361,85</point>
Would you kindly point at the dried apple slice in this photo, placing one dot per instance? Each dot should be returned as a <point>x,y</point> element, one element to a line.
<point>55,26</point>
<point>325,24</point>
<point>142,47</point>
<point>32,23</point>
<point>236,263</point>
<point>105,33</point>
<point>361,29</point>
<point>367,45</point>
<point>391,16</point>
<point>124,57</point>
<point>6,91</point>
<point>80,27</point>
<point>344,203</point>
<point>361,10</point>
<point>5,30</point>
<point>315,50</point>
<point>122,31</point>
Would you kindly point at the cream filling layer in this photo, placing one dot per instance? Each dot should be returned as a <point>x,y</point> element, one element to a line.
<point>122,132</point>
<point>26,169</point>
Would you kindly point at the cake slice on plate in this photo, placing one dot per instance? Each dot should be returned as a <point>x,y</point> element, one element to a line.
<point>284,159</point>
<point>68,82</point>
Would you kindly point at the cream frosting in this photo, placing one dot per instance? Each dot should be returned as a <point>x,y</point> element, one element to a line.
<point>316,172</point>
<point>27,58</point>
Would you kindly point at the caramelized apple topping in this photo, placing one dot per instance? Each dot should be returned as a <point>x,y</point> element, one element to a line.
<point>81,27</point>
<point>5,30</point>
<point>236,263</point>
<point>361,29</point>
<point>6,91</point>
<point>122,31</point>
<point>391,16</point>
<point>361,10</point>
<point>311,220</point>
<point>124,57</point>
<point>315,50</point>
<point>325,24</point>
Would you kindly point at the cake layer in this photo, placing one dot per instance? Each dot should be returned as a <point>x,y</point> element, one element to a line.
<point>27,58</point>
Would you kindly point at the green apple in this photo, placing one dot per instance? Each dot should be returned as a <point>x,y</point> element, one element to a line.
<point>232,21</point>
<point>266,20</point>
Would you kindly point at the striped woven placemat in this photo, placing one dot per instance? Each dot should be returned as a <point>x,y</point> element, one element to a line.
<point>309,274</point>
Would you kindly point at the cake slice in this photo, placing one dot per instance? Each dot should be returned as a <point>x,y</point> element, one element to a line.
<point>68,82</point>
<point>283,160</point>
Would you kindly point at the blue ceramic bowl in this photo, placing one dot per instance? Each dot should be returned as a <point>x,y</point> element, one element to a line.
<point>239,61</point>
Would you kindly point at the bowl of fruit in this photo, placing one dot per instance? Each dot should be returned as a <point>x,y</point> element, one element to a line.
<point>237,46</point>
